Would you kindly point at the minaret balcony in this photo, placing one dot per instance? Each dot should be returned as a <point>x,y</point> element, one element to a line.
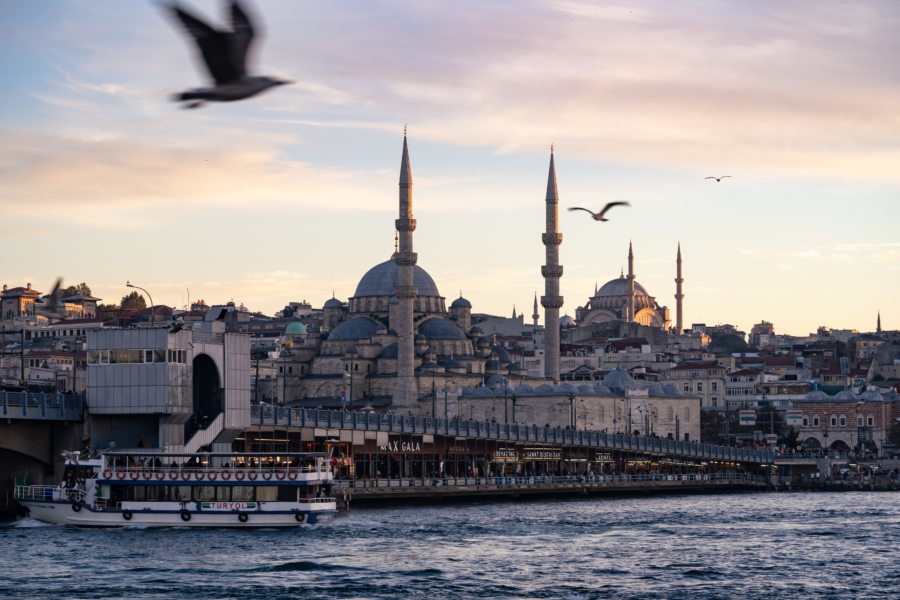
<point>551,239</point>
<point>405,259</point>
<point>551,301</point>
<point>552,270</point>
<point>405,224</point>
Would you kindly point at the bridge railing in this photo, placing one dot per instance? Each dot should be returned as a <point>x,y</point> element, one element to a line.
<point>41,406</point>
<point>542,480</point>
<point>370,421</point>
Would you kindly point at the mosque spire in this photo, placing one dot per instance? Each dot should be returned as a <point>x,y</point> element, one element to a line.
<point>630,282</point>
<point>878,326</point>
<point>679,296</point>
<point>405,392</point>
<point>551,271</point>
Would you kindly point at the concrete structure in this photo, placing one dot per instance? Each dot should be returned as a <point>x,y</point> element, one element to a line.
<point>551,271</point>
<point>169,388</point>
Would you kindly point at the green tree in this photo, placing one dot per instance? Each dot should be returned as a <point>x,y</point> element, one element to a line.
<point>82,289</point>
<point>133,300</point>
<point>727,344</point>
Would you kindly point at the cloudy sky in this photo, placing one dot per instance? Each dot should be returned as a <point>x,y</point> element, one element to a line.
<point>292,195</point>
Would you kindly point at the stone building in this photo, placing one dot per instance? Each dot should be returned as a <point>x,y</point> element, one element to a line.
<point>847,421</point>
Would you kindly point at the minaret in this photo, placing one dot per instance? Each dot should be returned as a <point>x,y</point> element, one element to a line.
<point>630,283</point>
<point>679,323</point>
<point>405,392</point>
<point>535,315</point>
<point>878,326</point>
<point>552,271</point>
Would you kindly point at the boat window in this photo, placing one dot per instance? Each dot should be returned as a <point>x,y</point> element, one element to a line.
<point>223,493</point>
<point>205,492</point>
<point>242,493</point>
<point>180,493</point>
<point>267,493</point>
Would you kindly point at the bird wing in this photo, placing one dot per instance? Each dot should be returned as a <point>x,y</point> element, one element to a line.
<point>609,205</point>
<point>213,46</point>
<point>579,208</point>
<point>241,38</point>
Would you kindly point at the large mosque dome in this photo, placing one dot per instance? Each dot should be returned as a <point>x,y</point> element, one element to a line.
<point>619,287</point>
<point>381,280</point>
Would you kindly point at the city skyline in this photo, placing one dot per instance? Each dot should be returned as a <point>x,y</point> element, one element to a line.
<point>104,180</point>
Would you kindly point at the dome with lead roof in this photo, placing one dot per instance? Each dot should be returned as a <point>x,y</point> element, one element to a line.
<point>381,280</point>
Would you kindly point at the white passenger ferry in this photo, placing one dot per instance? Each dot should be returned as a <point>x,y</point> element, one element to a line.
<point>186,490</point>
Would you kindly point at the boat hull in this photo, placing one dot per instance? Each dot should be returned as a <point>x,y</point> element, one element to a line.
<point>66,513</point>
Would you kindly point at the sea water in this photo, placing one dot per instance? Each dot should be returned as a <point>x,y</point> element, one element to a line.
<point>757,545</point>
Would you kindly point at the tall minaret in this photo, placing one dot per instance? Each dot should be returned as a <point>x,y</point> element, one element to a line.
<point>630,283</point>
<point>679,323</point>
<point>552,271</point>
<point>405,392</point>
<point>535,315</point>
<point>878,326</point>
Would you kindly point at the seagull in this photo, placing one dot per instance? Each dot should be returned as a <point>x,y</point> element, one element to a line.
<point>718,179</point>
<point>51,309</point>
<point>599,215</point>
<point>225,56</point>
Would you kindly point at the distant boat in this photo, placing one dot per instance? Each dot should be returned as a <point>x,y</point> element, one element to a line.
<point>153,489</point>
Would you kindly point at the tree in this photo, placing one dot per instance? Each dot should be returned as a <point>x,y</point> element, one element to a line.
<point>727,343</point>
<point>133,300</point>
<point>82,289</point>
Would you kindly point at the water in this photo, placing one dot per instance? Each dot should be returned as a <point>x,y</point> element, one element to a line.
<point>763,545</point>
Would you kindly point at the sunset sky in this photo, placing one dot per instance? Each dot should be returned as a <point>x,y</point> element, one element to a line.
<point>292,195</point>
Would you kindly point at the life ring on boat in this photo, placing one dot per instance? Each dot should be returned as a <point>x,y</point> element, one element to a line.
<point>212,475</point>
<point>148,474</point>
<point>126,514</point>
<point>300,517</point>
<point>279,475</point>
<point>173,473</point>
<point>239,475</point>
<point>292,475</point>
<point>76,506</point>
<point>267,475</point>
<point>135,475</point>
<point>107,474</point>
<point>185,475</point>
<point>185,516</point>
<point>252,475</point>
<point>160,475</point>
<point>242,517</point>
<point>226,474</point>
<point>120,474</point>
<point>199,475</point>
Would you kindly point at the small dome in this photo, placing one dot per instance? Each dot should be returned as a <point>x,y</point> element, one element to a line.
<point>544,388</point>
<point>475,329</point>
<point>669,389</point>
<point>566,388</point>
<point>844,396</point>
<point>871,396</point>
<point>501,353</point>
<point>359,328</point>
<point>566,321</point>
<point>451,363</point>
<point>381,280</point>
<point>523,389</point>
<point>420,337</point>
<point>492,366</point>
<point>514,366</point>
<point>389,351</point>
<point>816,396</point>
<point>602,390</point>
<point>585,389</point>
<point>654,391</point>
<point>295,328</point>
<point>333,303</point>
<point>619,380</point>
<point>461,303</point>
<point>483,392</point>
<point>441,329</point>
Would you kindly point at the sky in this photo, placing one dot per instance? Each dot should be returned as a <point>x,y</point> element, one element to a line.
<point>292,195</point>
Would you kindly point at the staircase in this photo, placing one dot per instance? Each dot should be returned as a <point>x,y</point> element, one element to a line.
<point>204,437</point>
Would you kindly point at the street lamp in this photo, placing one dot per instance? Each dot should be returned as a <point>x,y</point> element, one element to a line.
<point>152,308</point>
<point>572,410</point>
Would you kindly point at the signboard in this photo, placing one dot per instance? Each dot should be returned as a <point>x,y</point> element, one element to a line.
<point>793,418</point>
<point>747,417</point>
<point>542,454</point>
<point>506,455</point>
<point>771,439</point>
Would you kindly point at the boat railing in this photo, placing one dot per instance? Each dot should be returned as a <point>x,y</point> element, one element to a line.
<point>264,473</point>
<point>48,493</point>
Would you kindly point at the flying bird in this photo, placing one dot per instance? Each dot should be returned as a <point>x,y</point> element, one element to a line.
<point>599,215</point>
<point>225,55</point>
<point>718,179</point>
<point>51,308</point>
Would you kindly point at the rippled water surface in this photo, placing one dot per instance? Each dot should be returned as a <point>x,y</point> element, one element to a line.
<point>838,545</point>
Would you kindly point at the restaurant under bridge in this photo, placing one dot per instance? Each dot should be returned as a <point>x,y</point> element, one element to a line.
<point>380,456</point>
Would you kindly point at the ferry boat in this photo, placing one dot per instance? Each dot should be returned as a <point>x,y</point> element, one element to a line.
<point>186,490</point>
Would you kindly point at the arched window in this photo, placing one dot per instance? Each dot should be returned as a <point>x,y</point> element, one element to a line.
<point>833,421</point>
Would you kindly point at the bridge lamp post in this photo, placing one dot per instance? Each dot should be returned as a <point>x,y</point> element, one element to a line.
<point>152,306</point>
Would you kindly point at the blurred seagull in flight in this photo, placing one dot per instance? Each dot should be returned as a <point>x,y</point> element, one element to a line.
<point>718,179</point>
<point>599,215</point>
<point>51,308</point>
<point>225,55</point>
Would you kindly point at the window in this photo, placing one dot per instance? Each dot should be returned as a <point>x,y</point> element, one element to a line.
<point>833,421</point>
<point>699,386</point>
<point>715,401</point>
<point>806,421</point>
<point>859,420</point>
<point>843,421</point>
<point>815,421</point>
<point>870,421</point>
<point>715,386</point>
<point>687,387</point>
